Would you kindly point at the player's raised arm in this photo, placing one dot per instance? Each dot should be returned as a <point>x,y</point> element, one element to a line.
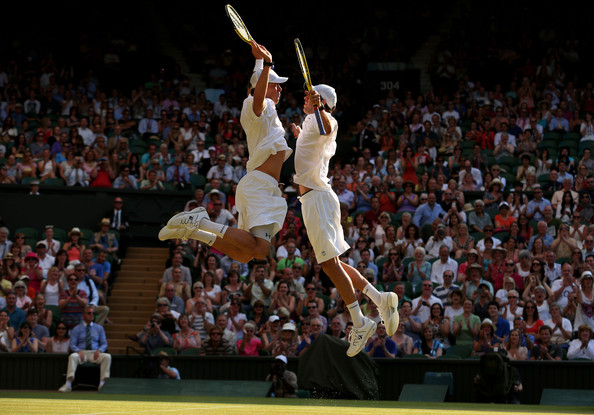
<point>261,90</point>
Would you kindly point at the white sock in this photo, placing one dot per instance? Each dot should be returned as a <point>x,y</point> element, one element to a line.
<point>373,294</point>
<point>204,237</point>
<point>356,314</point>
<point>213,227</point>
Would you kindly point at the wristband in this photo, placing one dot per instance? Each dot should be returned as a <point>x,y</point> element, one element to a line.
<point>271,63</point>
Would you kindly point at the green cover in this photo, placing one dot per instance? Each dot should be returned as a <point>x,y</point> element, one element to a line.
<point>325,369</point>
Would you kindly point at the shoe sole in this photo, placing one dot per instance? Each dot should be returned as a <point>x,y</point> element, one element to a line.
<point>167,233</point>
<point>174,222</point>
<point>392,323</point>
<point>364,342</point>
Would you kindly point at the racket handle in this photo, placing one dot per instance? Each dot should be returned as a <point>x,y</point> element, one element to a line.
<point>319,120</point>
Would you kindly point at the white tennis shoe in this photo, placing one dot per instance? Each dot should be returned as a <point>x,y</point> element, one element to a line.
<point>388,309</point>
<point>188,220</point>
<point>65,388</point>
<point>358,336</point>
<point>174,233</point>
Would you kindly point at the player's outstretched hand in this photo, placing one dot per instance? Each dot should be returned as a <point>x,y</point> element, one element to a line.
<point>260,52</point>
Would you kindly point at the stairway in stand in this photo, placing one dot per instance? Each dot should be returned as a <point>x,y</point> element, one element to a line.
<point>133,296</point>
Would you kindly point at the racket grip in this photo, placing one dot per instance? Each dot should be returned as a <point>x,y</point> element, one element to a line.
<point>319,120</point>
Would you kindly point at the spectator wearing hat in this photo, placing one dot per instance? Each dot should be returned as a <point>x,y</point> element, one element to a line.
<point>221,170</point>
<point>486,339</point>
<point>504,219</point>
<point>478,219</point>
<point>74,247</point>
<point>104,239</point>
<point>166,371</point>
<point>270,331</point>
<point>249,344</point>
<point>215,193</point>
<point>24,300</point>
<point>284,382</point>
<point>475,277</point>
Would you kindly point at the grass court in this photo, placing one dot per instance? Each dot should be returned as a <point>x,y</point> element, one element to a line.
<point>93,403</point>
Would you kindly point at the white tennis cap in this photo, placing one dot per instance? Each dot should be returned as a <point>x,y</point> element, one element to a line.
<point>272,76</point>
<point>327,93</point>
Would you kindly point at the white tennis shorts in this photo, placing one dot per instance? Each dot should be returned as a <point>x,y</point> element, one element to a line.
<point>321,217</point>
<point>259,202</point>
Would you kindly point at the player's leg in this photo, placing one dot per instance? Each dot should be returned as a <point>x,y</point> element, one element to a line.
<point>242,246</point>
<point>238,244</point>
<point>363,327</point>
<point>387,302</point>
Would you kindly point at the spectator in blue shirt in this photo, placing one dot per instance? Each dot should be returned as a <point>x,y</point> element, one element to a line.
<point>88,344</point>
<point>428,212</point>
<point>177,174</point>
<point>381,345</point>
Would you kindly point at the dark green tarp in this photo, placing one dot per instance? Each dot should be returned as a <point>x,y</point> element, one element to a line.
<point>327,371</point>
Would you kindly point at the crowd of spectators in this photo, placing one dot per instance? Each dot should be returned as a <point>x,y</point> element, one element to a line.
<point>472,201</point>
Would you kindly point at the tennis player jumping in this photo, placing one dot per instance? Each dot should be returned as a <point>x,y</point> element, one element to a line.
<point>321,216</point>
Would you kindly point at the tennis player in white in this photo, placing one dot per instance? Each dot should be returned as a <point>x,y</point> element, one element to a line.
<point>259,201</point>
<point>321,216</point>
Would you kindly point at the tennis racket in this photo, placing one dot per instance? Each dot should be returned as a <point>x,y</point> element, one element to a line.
<point>305,71</point>
<point>238,24</point>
